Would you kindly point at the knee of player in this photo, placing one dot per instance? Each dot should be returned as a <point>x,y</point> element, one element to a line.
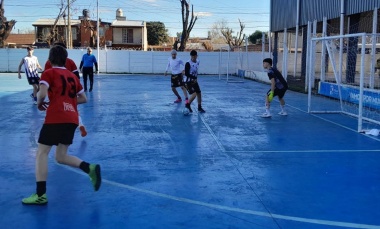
<point>59,159</point>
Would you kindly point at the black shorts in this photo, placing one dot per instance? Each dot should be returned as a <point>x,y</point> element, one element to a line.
<point>278,92</point>
<point>53,134</point>
<point>33,80</point>
<point>192,87</point>
<point>177,80</point>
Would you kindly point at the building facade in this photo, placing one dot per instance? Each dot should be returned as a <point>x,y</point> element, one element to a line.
<point>120,34</point>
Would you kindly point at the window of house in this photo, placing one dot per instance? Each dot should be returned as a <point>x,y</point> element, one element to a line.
<point>127,35</point>
<point>74,32</point>
<point>124,35</point>
<point>130,36</point>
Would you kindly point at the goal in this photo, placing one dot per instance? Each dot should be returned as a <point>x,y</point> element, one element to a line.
<point>228,66</point>
<point>342,78</point>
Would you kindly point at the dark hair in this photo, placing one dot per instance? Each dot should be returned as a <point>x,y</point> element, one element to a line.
<point>193,53</point>
<point>61,44</point>
<point>58,56</point>
<point>268,60</point>
<point>29,48</point>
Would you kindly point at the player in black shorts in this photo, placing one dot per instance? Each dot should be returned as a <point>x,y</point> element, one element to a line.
<point>278,88</point>
<point>192,86</point>
<point>176,66</point>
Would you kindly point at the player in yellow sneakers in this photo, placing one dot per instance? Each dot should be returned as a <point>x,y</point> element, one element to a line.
<point>278,88</point>
<point>65,92</point>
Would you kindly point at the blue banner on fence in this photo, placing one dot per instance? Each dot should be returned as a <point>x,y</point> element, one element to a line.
<point>371,98</point>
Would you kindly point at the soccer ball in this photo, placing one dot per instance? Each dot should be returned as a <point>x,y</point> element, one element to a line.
<point>185,111</point>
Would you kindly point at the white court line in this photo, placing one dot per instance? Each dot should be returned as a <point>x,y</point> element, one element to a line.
<point>231,209</point>
<point>304,151</point>
<point>337,124</point>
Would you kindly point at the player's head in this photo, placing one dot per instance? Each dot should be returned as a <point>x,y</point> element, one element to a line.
<point>267,63</point>
<point>30,49</point>
<point>89,50</point>
<point>57,56</point>
<point>173,53</point>
<point>193,55</point>
<point>60,44</point>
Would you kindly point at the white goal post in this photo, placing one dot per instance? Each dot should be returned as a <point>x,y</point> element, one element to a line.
<point>353,91</point>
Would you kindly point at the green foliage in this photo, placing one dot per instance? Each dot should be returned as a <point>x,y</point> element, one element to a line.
<point>157,33</point>
<point>255,37</point>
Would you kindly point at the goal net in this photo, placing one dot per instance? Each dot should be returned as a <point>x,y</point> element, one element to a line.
<point>229,64</point>
<point>343,78</point>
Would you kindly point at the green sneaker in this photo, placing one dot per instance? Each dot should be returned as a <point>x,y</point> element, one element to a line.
<point>35,199</point>
<point>95,177</point>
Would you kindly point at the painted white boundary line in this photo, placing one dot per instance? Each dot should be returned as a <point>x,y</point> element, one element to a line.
<point>231,209</point>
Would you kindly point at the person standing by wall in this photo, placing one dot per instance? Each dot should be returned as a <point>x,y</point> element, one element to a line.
<point>31,67</point>
<point>174,64</point>
<point>87,68</point>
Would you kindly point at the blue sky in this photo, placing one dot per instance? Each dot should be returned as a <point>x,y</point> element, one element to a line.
<point>253,13</point>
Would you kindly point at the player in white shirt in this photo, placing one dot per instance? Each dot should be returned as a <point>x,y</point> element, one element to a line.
<point>176,66</point>
<point>31,67</point>
<point>191,72</point>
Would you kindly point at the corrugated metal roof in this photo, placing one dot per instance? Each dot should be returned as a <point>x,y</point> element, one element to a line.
<point>284,12</point>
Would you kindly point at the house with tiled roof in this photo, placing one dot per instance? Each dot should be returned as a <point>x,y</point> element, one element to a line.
<point>120,34</point>
<point>20,40</point>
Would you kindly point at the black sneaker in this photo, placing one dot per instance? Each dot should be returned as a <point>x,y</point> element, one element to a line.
<point>200,110</point>
<point>188,107</point>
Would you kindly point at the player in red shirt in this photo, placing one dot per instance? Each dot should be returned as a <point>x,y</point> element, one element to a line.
<point>71,66</point>
<point>65,92</point>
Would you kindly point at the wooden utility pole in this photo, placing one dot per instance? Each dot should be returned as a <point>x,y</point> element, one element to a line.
<point>69,38</point>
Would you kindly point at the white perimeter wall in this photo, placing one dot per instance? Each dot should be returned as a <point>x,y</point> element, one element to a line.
<point>135,62</point>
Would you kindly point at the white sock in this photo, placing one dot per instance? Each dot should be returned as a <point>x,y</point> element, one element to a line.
<point>267,109</point>
<point>80,121</point>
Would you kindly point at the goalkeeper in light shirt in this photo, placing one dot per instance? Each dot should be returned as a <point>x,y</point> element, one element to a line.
<point>278,88</point>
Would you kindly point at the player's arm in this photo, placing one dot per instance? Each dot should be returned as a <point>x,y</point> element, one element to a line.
<point>272,84</point>
<point>187,71</point>
<point>167,68</point>
<point>38,65</point>
<point>81,65</point>
<point>96,66</point>
<point>19,68</point>
<point>81,98</point>
<point>42,93</point>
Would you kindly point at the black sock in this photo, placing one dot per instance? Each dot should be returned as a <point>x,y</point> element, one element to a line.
<point>41,188</point>
<point>85,167</point>
<point>199,106</point>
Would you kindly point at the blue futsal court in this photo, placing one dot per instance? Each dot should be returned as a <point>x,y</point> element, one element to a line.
<point>227,168</point>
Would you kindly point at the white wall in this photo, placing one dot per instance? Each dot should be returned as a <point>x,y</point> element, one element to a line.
<point>124,61</point>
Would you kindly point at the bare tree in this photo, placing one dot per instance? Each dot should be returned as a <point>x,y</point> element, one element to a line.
<point>215,33</point>
<point>53,35</point>
<point>186,25</point>
<point>233,41</point>
<point>5,26</point>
